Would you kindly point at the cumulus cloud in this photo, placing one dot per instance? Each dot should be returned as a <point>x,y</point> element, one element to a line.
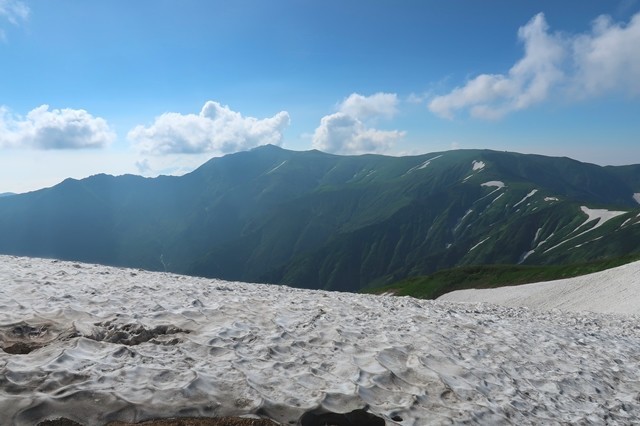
<point>608,59</point>
<point>43,128</point>
<point>377,105</point>
<point>349,130</point>
<point>216,129</point>
<point>13,11</point>
<point>528,82</point>
<point>602,61</point>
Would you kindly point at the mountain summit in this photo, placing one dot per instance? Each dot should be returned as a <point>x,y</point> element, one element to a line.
<point>312,219</point>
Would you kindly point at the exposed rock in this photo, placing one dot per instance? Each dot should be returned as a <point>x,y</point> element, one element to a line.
<point>354,418</point>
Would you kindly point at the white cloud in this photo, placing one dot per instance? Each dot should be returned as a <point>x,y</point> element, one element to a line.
<point>363,107</point>
<point>54,129</point>
<point>528,82</point>
<point>348,131</point>
<point>602,61</point>
<point>216,129</point>
<point>13,11</point>
<point>608,59</point>
<point>343,134</point>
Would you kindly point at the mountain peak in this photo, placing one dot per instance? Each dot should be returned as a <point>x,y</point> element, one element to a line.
<point>268,147</point>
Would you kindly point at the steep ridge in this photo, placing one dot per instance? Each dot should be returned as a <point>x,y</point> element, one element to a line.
<point>318,220</point>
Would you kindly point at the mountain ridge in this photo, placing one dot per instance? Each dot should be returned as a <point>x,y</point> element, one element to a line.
<point>319,220</point>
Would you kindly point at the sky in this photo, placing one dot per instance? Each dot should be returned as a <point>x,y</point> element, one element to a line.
<point>159,87</point>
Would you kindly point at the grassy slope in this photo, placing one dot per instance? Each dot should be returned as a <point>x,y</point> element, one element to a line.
<point>491,276</point>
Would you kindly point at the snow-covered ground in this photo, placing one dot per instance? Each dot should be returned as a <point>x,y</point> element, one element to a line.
<point>107,343</point>
<point>615,291</point>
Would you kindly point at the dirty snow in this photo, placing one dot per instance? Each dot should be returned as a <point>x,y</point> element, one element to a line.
<point>109,344</point>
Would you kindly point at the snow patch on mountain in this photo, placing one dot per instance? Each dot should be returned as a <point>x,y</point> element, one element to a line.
<point>423,165</point>
<point>455,228</point>
<point>535,238</point>
<point>477,245</point>
<point>477,165</point>
<point>636,197</point>
<point>495,199</point>
<point>529,195</point>
<point>587,242</point>
<point>525,255</point>
<point>545,240</point>
<point>276,167</point>
<point>494,183</point>
<point>551,199</point>
<point>601,215</point>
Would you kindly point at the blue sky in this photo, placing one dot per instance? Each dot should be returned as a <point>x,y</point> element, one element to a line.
<point>150,87</point>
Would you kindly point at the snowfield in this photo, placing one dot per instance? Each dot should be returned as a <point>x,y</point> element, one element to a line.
<point>97,344</point>
<point>614,291</point>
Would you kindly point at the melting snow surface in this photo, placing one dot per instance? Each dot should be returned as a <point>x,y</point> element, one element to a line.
<point>97,344</point>
<point>550,198</point>
<point>613,291</point>
<point>494,183</point>
<point>478,165</point>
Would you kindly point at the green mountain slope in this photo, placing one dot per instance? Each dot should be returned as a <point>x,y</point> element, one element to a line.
<point>317,220</point>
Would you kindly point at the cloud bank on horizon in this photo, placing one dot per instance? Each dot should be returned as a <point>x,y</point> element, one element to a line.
<point>553,67</point>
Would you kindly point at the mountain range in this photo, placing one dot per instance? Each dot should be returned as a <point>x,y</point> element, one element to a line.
<point>316,220</point>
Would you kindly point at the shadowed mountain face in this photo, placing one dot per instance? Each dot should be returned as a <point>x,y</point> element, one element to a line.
<point>316,220</point>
